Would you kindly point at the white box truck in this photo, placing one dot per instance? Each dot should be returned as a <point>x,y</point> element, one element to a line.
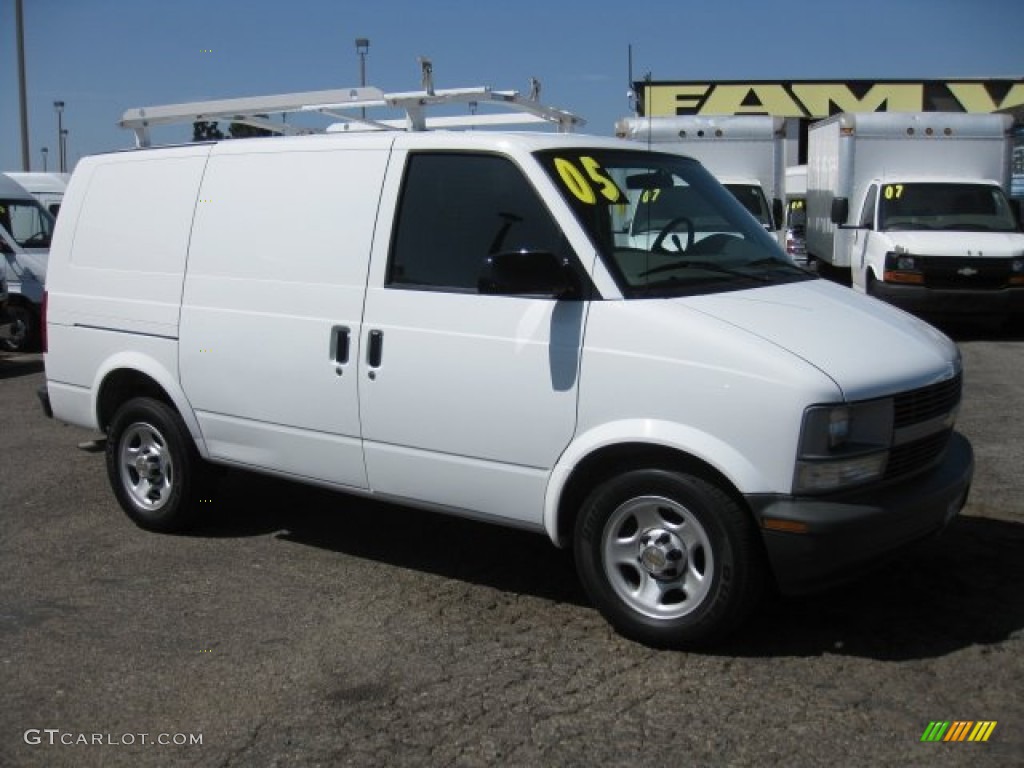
<point>914,206</point>
<point>746,153</point>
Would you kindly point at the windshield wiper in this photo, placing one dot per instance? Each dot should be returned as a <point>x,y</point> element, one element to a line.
<point>710,266</point>
<point>776,263</point>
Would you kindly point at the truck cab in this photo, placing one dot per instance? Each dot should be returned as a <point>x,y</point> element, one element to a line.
<point>745,153</point>
<point>751,195</point>
<point>795,213</point>
<point>938,245</point>
<point>912,208</point>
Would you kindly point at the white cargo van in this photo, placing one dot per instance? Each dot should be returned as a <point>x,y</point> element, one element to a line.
<point>912,208</point>
<point>25,232</point>
<point>746,153</point>
<point>47,188</point>
<point>449,320</point>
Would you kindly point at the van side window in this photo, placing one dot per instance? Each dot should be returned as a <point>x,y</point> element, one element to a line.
<point>867,215</point>
<point>456,210</point>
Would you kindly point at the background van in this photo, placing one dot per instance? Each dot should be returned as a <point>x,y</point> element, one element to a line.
<point>25,232</point>
<point>47,188</point>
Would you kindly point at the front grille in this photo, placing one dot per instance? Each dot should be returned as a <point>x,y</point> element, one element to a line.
<point>927,402</point>
<point>912,457</point>
<point>916,407</point>
<point>965,274</point>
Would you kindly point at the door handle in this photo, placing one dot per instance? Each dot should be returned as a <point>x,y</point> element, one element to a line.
<point>340,336</point>
<point>375,349</point>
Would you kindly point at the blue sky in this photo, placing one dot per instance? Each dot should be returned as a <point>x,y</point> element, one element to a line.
<point>103,56</point>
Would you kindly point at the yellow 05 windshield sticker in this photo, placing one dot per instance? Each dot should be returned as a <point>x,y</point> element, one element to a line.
<point>587,180</point>
<point>893,191</point>
<point>796,205</point>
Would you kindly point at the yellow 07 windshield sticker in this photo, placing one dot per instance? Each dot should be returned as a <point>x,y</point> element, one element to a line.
<point>893,191</point>
<point>581,182</point>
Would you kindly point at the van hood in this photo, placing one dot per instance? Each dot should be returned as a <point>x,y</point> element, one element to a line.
<point>29,264</point>
<point>948,243</point>
<point>867,347</point>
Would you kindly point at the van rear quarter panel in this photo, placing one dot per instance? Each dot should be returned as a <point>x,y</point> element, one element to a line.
<point>115,276</point>
<point>123,265</point>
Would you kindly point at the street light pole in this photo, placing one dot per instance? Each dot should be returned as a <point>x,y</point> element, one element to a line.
<point>362,48</point>
<point>19,23</point>
<point>64,150</point>
<point>44,150</point>
<point>59,106</point>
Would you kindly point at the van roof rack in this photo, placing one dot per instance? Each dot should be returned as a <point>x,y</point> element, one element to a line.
<point>339,103</point>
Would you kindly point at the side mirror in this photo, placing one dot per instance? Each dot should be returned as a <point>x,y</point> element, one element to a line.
<point>529,273</point>
<point>1015,206</point>
<point>840,210</point>
<point>777,212</point>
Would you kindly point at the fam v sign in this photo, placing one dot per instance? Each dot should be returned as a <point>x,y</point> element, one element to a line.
<point>818,99</point>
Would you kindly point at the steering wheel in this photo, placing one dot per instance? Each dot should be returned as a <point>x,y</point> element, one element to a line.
<point>668,229</point>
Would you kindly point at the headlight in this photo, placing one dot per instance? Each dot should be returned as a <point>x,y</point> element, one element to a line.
<point>1017,272</point>
<point>842,446</point>
<point>903,268</point>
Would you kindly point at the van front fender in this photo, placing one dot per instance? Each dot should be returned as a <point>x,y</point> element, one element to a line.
<point>676,438</point>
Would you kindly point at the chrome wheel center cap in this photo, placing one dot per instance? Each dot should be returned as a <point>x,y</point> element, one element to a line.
<point>662,554</point>
<point>148,467</point>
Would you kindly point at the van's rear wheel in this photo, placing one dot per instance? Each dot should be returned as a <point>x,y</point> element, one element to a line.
<point>670,559</point>
<point>154,469</point>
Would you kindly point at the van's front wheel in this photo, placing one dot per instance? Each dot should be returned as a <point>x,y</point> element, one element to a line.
<point>24,335</point>
<point>153,467</point>
<point>670,559</point>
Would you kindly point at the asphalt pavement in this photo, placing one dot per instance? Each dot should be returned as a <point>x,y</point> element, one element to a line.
<point>297,627</point>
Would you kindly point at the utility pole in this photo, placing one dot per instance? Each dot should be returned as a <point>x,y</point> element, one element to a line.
<point>59,107</point>
<point>362,48</point>
<point>19,24</point>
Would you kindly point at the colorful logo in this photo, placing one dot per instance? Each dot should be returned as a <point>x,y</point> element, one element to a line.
<point>958,730</point>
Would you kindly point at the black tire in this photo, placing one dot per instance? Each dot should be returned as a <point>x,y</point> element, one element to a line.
<point>153,466</point>
<point>869,285</point>
<point>24,328</point>
<point>670,559</point>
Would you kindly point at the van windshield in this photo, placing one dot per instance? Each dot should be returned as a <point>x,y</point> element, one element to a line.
<point>664,226</point>
<point>751,196</point>
<point>945,206</point>
<point>27,222</point>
